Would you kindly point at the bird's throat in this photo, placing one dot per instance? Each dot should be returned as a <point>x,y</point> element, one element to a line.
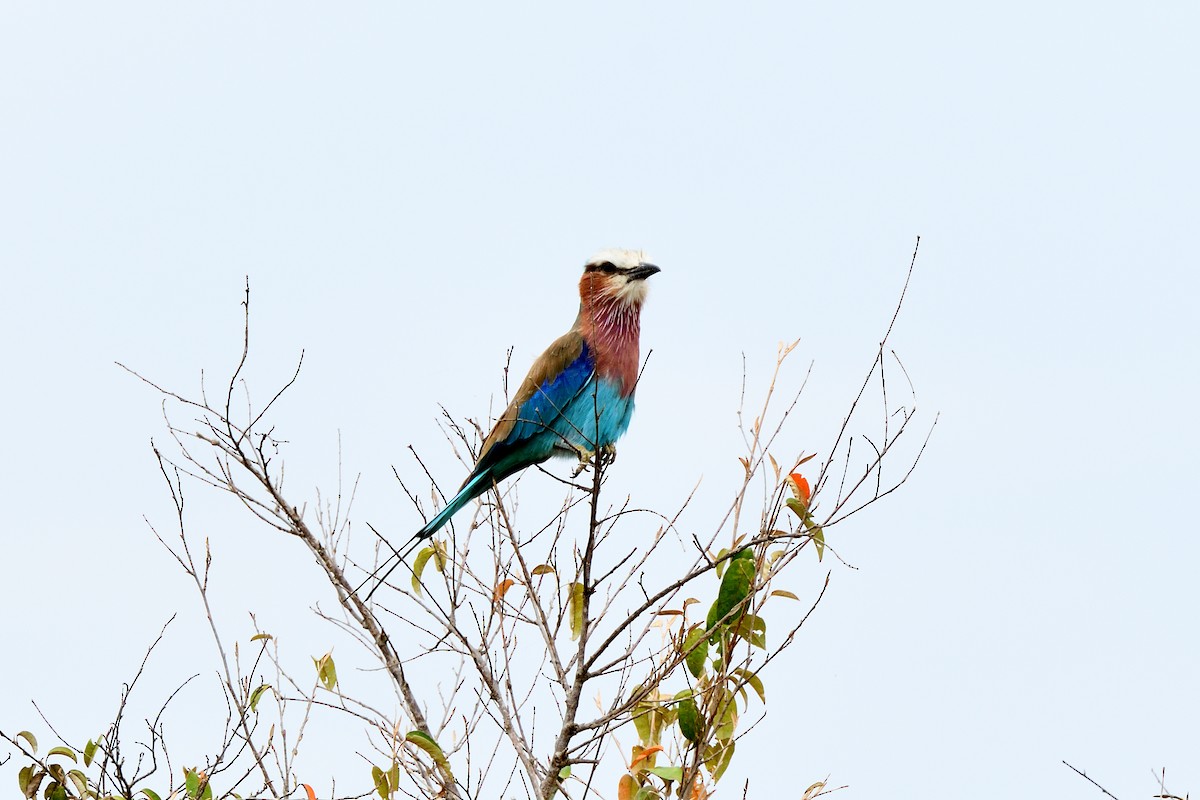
<point>611,328</point>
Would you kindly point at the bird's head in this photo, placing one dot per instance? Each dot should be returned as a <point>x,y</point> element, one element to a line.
<point>616,275</point>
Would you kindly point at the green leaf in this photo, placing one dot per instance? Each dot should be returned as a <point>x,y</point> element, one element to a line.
<point>646,793</point>
<point>150,794</point>
<point>192,781</point>
<point>784,593</point>
<point>63,751</point>
<point>674,774</point>
<point>29,779</point>
<point>735,589</point>
<point>576,608</point>
<point>666,716</point>
<point>380,782</point>
<point>326,671</point>
<point>754,681</point>
<point>721,564</point>
<point>542,569</point>
<point>689,716</point>
<point>29,737</point>
<point>753,629</point>
<point>815,532</point>
<point>261,637</point>
<point>89,752</point>
<point>419,567</point>
<point>80,781</point>
<point>564,773</point>
<point>695,645</point>
<point>658,720</point>
<point>426,743</point>
<point>641,721</point>
<point>256,695</point>
<point>728,718</point>
<point>818,537</point>
<point>722,760</point>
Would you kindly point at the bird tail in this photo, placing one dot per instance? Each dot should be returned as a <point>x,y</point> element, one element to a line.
<point>471,489</point>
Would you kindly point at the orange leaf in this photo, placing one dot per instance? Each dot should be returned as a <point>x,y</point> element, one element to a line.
<point>626,788</point>
<point>698,790</point>
<point>800,487</point>
<point>504,586</point>
<point>649,751</point>
<point>309,790</point>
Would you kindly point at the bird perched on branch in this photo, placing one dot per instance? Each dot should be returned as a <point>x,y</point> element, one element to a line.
<point>578,396</point>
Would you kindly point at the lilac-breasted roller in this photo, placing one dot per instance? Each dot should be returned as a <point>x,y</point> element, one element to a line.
<point>578,396</point>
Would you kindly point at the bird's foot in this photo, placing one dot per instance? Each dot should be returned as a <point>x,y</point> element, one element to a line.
<point>606,455</point>
<point>585,460</point>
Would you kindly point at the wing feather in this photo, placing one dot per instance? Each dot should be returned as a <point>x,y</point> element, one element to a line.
<point>556,377</point>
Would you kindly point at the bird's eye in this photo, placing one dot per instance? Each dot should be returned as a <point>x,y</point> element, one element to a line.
<point>608,267</point>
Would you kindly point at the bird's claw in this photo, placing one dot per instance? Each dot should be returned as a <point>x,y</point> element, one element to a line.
<point>607,455</point>
<point>585,460</point>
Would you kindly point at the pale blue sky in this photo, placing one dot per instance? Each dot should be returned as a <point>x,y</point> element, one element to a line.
<point>412,191</point>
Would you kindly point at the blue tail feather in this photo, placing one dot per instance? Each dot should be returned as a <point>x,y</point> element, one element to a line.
<point>470,490</point>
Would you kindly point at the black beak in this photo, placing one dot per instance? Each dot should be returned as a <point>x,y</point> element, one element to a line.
<point>641,272</point>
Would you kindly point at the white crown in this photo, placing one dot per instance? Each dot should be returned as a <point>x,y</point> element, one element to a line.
<point>622,259</point>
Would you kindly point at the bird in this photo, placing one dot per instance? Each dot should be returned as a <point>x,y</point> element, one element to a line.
<point>577,399</point>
